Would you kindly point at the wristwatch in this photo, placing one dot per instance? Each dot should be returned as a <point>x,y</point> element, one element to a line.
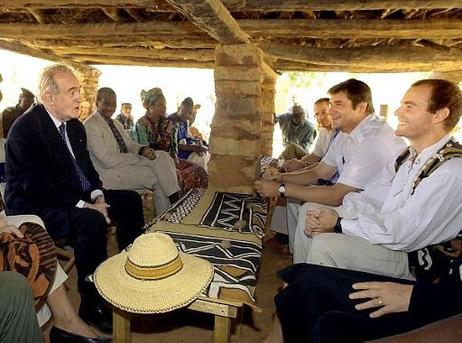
<point>282,190</point>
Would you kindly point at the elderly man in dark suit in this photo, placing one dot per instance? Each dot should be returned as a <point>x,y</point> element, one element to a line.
<point>49,173</point>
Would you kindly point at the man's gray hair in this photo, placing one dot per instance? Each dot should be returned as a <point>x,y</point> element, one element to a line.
<point>47,81</point>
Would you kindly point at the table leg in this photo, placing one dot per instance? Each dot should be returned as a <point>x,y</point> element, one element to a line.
<point>120,326</point>
<point>222,330</point>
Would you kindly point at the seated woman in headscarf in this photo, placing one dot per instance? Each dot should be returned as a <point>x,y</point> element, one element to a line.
<point>155,130</point>
<point>188,147</point>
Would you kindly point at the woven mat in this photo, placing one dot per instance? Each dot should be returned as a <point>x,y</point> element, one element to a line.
<point>242,213</point>
<point>202,223</point>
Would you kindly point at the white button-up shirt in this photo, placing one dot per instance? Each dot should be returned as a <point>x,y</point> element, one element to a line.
<point>323,141</point>
<point>388,214</point>
<point>361,155</point>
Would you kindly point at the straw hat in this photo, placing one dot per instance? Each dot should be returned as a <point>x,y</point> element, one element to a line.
<point>152,277</point>
<point>33,256</point>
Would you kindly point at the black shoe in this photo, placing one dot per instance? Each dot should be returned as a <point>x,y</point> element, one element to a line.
<point>60,336</point>
<point>97,315</point>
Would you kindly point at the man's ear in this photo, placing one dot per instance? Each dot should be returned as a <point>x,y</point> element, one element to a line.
<point>48,98</point>
<point>440,115</point>
<point>362,107</point>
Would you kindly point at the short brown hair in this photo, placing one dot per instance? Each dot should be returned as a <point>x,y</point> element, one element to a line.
<point>356,91</point>
<point>321,100</point>
<point>445,94</point>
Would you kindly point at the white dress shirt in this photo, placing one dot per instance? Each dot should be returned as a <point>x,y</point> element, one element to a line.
<point>405,221</point>
<point>361,155</point>
<point>323,141</point>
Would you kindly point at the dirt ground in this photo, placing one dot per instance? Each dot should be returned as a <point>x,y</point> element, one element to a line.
<point>189,326</point>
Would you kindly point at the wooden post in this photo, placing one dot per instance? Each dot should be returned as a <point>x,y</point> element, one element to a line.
<point>222,330</point>
<point>121,326</point>
<point>384,111</point>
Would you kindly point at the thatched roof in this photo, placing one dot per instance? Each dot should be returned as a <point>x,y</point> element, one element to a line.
<point>315,35</point>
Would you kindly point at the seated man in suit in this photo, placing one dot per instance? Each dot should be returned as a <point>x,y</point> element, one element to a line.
<point>124,164</point>
<point>49,173</point>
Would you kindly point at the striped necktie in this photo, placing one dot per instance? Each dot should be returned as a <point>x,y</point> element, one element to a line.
<point>84,183</point>
<point>117,135</point>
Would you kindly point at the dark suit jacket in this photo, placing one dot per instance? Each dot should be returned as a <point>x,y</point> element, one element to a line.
<point>39,170</point>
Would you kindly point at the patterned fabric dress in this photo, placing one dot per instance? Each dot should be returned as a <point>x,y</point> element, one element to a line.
<point>162,135</point>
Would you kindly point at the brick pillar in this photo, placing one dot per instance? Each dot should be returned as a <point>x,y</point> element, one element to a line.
<point>236,129</point>
<point>89,80</point>
<point>267,105</point>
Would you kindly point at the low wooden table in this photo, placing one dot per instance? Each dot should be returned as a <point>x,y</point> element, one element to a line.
<point>223,310</point>
<point>224,307</point>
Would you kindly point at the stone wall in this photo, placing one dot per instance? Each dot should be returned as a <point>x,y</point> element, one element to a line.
<point>242,88</point>
<point>89,80</point>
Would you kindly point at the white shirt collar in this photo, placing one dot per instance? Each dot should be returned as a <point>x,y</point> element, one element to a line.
<point>56,121</point>
<point>426,153</point>
<point>357,133</point>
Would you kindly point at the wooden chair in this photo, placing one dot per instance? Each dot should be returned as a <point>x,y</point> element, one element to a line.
<point>65,253</point>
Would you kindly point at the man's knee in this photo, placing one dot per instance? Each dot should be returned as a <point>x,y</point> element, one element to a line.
<point>324,249</point>
<point>162,156</point>
<point>93,222</point>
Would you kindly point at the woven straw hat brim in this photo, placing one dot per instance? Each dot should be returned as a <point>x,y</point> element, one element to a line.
<point>156,296</point>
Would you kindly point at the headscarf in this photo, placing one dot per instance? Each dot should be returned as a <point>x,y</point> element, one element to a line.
<point>150,97</point>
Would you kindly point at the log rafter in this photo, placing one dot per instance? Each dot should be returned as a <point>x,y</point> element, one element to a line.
<point>248,5</point>
<point>212,17</point>
<point>375,58</point>
<point>295,28</point>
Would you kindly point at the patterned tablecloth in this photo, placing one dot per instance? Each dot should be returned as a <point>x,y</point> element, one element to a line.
<point>225,229</point>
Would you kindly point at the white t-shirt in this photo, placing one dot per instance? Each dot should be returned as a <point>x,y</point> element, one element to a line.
<point>361,155</point>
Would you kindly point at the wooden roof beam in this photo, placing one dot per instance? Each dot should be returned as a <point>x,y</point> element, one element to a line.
<point>295,28</point>
<point>38,15</point>
<point>125,42</point>
<point>212,17</point>
<point>132,12</point>
<point>198,55</point>
<point>140,61</point>
<point>157,5</point>
<point>346,5</point>
<point>25,50</point>
<point>358,28</point>
<point>379,57</point>
<point>59,31</point>
<point>285,65</point>
<point>112,13</point>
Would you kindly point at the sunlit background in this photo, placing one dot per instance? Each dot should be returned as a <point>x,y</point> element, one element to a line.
<point>177,83</point>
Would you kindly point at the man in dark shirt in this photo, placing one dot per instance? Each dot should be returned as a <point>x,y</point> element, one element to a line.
<point>10,114</point>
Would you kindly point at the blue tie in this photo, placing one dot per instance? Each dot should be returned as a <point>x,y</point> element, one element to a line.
<point>84,183</point>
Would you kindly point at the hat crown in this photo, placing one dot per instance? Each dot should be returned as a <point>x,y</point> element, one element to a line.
<point>152,250</point>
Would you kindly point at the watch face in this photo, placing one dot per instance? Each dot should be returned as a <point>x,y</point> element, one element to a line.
<point>281,189</point>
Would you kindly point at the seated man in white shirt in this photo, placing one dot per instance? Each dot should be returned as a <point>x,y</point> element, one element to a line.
<point>360,151</point>
<point>123,164</point>
<point>405,210</point>
<point>324,138</point>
